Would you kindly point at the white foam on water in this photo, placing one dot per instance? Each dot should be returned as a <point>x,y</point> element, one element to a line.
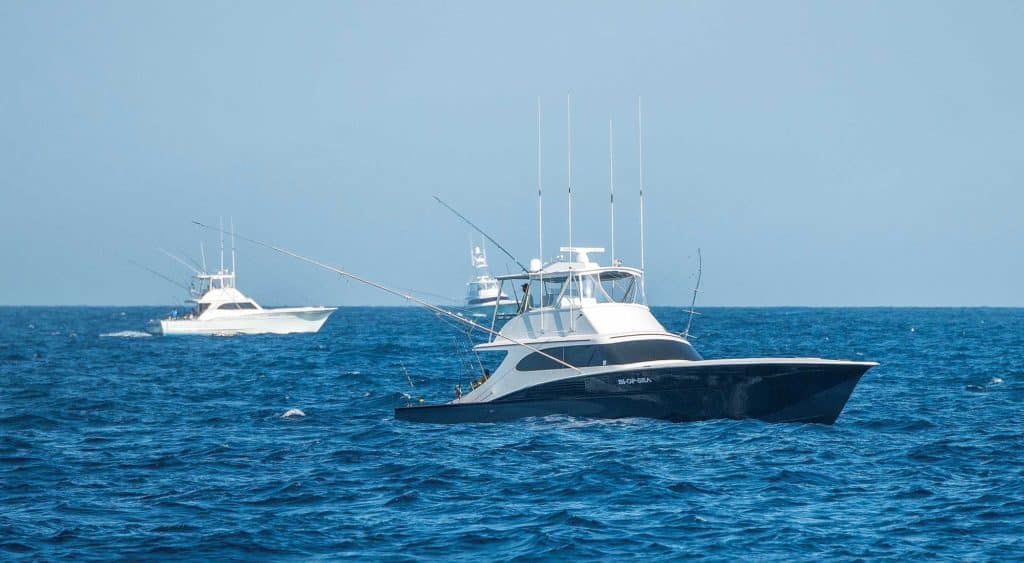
<point>996,381</point>
<point>126,334</point>
<point>293,412</point>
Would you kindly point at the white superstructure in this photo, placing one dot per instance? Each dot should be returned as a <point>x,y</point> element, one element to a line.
<point>577,302</point>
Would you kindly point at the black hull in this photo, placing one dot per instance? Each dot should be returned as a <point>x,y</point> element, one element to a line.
<point>773,392</point>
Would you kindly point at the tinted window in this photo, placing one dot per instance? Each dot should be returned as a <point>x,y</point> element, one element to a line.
<point>237,306</point>
<point>609,354</point>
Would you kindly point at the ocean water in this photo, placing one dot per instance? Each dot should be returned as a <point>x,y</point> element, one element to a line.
<point>117,444</point>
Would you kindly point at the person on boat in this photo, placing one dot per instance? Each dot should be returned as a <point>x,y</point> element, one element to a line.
<point>526,298</point>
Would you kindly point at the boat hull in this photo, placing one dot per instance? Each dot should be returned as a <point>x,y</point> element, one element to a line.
<point>266,321</point>
<point>773,392</point>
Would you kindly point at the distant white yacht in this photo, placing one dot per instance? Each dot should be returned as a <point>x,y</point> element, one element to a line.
<point>483,296</point>
<point>219,308</point>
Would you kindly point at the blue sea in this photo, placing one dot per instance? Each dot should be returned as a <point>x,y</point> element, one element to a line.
<point>114,444</point>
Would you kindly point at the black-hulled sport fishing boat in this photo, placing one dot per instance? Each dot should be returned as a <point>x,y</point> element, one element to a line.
<point>585,344</point>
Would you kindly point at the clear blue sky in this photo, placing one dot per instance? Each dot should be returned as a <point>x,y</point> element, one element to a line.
<point>820,153</point>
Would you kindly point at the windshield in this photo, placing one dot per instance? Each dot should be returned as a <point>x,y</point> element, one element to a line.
<point>613,286</point>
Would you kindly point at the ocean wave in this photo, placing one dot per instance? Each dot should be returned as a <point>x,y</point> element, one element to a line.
<point>126,334</point>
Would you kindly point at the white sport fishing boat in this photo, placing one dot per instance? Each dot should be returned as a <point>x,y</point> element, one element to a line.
<point>483,298</point>
<point>220,309</point>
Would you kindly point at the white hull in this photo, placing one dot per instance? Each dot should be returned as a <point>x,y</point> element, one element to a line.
<point>263,321</point>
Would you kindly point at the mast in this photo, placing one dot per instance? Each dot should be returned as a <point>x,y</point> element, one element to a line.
<point>202,252</point>
<point>611,185</point>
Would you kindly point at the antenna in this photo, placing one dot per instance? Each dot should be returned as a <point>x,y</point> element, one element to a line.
<point>202,252</point>
<point>540,216</point>
<point>221,246</point>
<point>540,194</point>
<point>640,120</point>
<point>611,184</point>
<point>233,269</point>
<point>568,118</point>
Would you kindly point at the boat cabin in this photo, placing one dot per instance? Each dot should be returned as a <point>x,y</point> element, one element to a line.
<point>216,295</point>
<point>576,295</point>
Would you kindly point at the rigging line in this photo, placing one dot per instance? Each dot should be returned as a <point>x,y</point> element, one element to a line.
<point>479,230</point>
<point>396,293</point>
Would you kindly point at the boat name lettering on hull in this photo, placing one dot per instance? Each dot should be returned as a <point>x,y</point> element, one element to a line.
<point>634,380</point>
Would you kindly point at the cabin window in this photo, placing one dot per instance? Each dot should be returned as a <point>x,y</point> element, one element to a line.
<point>618,288</point>
<point>609,354</point>
<point>239,305</point>
<point>544,295</point>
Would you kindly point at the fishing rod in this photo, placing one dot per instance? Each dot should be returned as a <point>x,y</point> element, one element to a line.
<point>428,294</point>
<point>479,230</point>
<point>159,275</point>
<point>693,301</point>
<point>180,261</point>
<point>395,292</point>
